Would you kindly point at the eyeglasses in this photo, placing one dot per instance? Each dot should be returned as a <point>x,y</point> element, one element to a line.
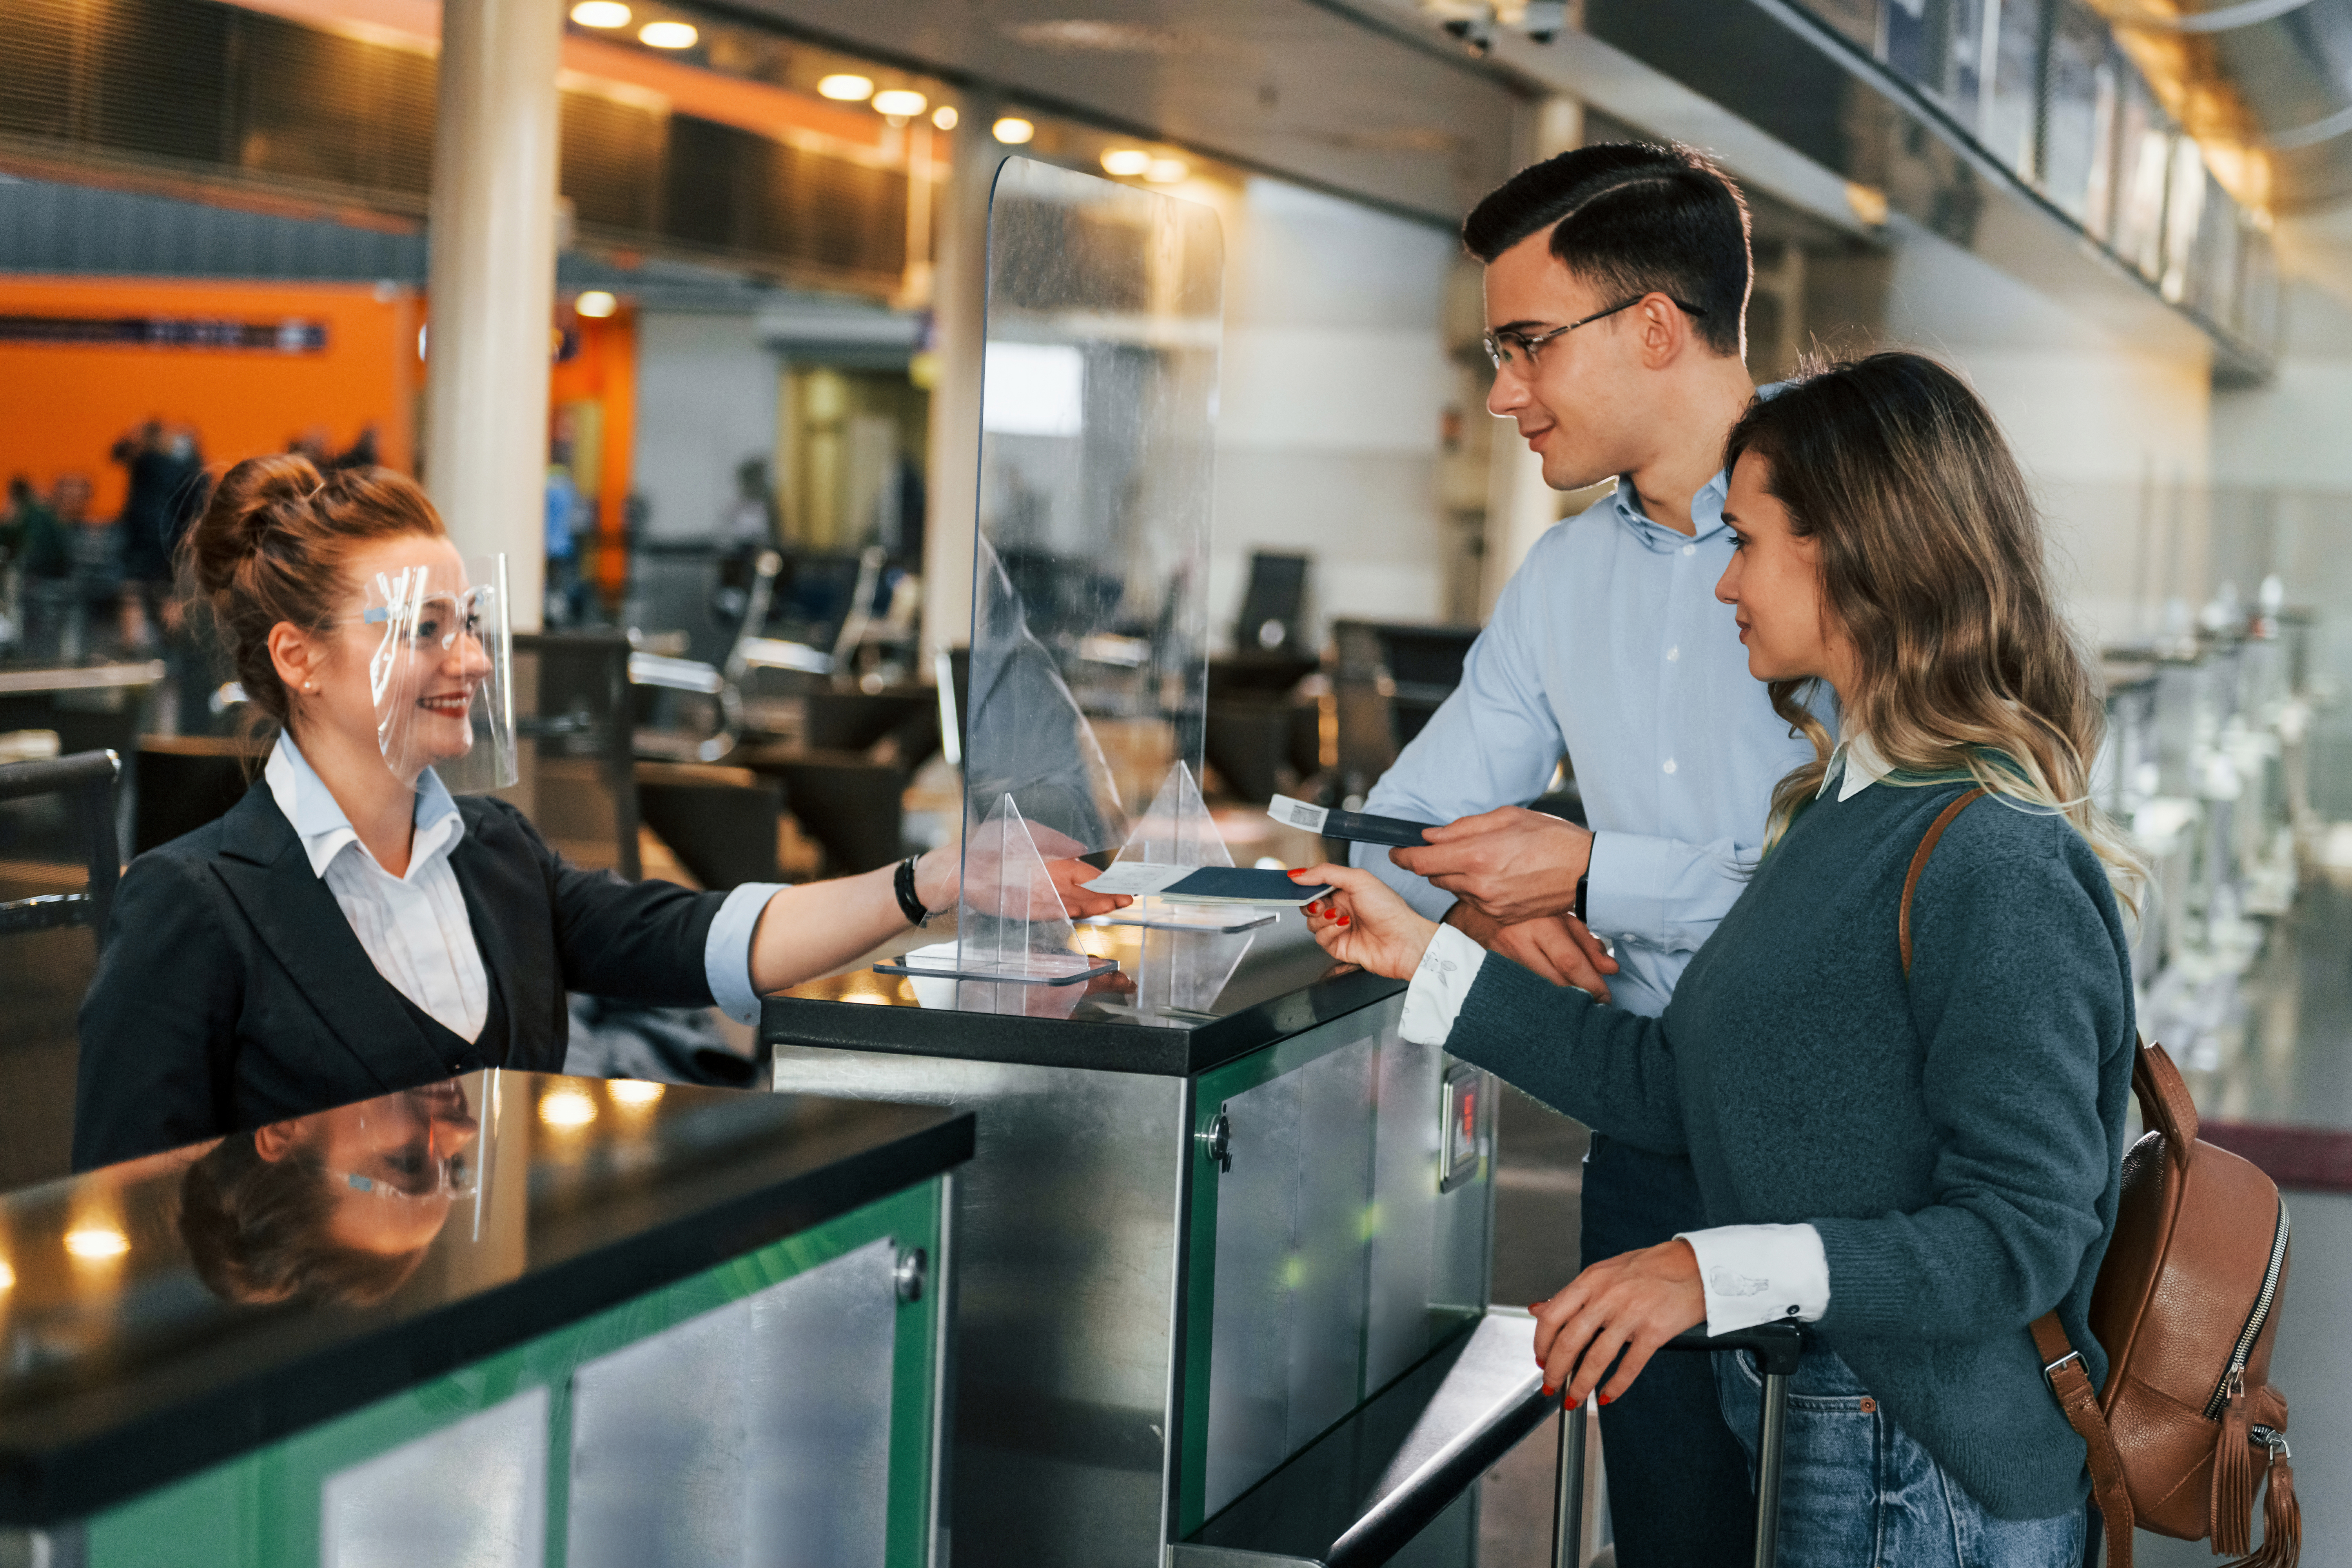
<point>1501,343</point>
<point>435,1177</point>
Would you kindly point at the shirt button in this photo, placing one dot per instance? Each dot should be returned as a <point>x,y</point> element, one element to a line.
<point>1690,549</point>
<point>1673,653</point>
<point>1670,764</point>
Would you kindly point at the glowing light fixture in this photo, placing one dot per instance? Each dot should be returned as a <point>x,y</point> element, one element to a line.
<point>601,14</point>
<point>1126,162</point>
<point>1013,130</point>
<point>668,34</point>
<point>96,1241</point>
<point>945,117</point>
<point>633,1091</point>
<point>1168,171</point>
<point>898,103</point>
<point>595,304</point>
<point>7,1277</point>
<point>844,88</point>
<point>567,1108</point>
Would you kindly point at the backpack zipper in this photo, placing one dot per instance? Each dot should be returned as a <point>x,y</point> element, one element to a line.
<point>2233,1377</point>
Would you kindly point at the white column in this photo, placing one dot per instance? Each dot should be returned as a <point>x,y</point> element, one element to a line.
<point>958,303</point>
<point>1519,505</point>
<point>491,284</point>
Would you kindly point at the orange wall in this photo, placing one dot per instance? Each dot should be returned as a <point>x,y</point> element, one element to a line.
<point>63,406</point>
<point>605,371</point>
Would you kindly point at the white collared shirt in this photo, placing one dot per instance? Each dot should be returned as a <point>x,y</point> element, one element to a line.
<point>1751,1273</point>
<point>414,927</point>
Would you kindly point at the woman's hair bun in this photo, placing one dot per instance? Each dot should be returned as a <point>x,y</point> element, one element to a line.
<point>270,548</point>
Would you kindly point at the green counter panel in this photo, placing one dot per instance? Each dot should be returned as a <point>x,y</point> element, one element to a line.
<point>265,1510</point>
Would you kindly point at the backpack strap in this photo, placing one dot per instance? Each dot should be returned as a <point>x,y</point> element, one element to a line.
<point>1919,865</point>
<point>2061,1366</point>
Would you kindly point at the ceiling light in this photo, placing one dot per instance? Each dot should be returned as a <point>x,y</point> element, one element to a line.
<point>1013,130</point>
<point>595,304</point>
<point>97,1242</point>
<point>567,1108</point>
<point>633,1091</point>
<point>1168,171</point>
<point>945,117</point>
<point>668,34</point>
<point>7,1277</point>
<point>601,14</point>
<point>1126,162</point>
<point>898,103</point>
<point>844,88</point>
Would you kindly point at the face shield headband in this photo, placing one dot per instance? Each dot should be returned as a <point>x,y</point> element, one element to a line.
<point>442,674</point>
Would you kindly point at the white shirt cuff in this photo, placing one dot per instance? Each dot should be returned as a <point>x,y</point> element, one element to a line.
<point>1434,998</point>
<point>1761,1274</point>
<point>727,954</point>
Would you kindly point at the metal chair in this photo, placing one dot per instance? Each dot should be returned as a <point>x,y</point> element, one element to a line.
<point>88,777</point>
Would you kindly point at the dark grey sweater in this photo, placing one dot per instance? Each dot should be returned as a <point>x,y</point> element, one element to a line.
<point>1958,1141</point>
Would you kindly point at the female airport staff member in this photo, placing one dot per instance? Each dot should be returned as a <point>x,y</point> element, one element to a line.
<point>1916,1168</point>
<point>352,929</point>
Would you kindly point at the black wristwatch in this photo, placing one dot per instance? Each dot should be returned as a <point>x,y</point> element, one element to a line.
<point>1579,910</point>
<point>912,907</point>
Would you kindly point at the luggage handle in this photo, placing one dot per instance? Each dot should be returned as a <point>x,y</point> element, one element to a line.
<point>1777,1348</point>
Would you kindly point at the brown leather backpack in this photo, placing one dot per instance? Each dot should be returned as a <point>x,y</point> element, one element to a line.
<point>2186,1306</point>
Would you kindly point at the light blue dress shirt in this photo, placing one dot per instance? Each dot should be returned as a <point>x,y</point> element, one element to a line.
<point>1608,644</point>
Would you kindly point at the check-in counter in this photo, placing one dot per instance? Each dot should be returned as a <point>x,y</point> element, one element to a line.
<point>1190,1243</point>
<point>510,1320</point>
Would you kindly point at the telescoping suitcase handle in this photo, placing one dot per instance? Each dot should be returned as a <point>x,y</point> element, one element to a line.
<point>1776,1347</point>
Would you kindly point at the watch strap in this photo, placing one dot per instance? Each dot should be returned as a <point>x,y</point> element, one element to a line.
<point>904,886</point>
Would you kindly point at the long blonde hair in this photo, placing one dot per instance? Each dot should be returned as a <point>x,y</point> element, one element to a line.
<point>1931,558</point>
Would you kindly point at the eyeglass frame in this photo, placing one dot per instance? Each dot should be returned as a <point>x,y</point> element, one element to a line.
<point>1494,344</point>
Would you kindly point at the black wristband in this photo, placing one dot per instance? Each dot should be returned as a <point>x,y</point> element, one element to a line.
<point>904,886</point>
<point>1579,911</point>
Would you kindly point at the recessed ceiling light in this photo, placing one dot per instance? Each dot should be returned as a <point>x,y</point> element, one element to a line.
<point>668,34</point>
<point>601,14</point>
<point>945,117</point>
<point>1013,130</point>
<point>898,103</point>
<point>633,1091</point>
<point>1126,162</point>
<point>847,87</point>
<point>1168,171</point>
<point>567,1108</point>
<point>595,304</point>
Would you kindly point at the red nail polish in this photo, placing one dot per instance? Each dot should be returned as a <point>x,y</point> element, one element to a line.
<point>1345,920</point>
<point>1605,1399</point>
<point>1537,1308</point>
<point>1548,1391</point>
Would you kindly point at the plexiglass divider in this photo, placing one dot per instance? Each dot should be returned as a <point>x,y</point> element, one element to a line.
<point>1090,658</point>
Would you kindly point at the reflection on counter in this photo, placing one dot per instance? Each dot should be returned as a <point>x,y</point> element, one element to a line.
<point>352,1333</point>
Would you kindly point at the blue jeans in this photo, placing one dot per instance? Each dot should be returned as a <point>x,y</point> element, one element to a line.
<point>1679,1492</point>
<point>1856,1492</point>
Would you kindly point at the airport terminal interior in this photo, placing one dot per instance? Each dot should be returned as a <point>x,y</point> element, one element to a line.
<point>1008,432</point>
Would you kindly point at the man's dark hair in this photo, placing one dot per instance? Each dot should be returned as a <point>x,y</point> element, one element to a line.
<point>1634,218</point>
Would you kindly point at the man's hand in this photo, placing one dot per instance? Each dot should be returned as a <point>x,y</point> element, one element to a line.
<point>1557,947</point>
<point>1633,1302</point>
<point>1512,863</point>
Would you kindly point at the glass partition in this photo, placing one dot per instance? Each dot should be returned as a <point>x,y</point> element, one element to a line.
<point>1089,654</point>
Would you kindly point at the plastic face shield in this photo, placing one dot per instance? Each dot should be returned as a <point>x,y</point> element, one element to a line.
<point>441,673</point>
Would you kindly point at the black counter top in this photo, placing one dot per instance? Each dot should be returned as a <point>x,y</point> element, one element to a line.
<point>1283,984</point>
<point>148,1338</point>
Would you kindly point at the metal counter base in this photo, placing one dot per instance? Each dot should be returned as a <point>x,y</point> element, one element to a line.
<point>1179,1267</point>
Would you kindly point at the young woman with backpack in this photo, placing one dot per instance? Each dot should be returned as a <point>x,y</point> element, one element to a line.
<point>1916,1166</point>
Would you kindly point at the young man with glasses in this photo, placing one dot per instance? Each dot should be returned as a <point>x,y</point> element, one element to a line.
<point>1616,287</point>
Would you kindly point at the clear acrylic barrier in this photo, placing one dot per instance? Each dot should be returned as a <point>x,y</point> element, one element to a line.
<point>1089,658</point>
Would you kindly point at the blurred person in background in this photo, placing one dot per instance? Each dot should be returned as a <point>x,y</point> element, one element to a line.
<point>40,565</point>
<point>565,523</point>
<point>166,490</point>
<point>95,545</point>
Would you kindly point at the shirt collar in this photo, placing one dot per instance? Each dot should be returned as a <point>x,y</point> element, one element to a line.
<point>325,830</point>
<point>1863,766</point>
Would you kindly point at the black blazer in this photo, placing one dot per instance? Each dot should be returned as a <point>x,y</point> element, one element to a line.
<point>232,993</point>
